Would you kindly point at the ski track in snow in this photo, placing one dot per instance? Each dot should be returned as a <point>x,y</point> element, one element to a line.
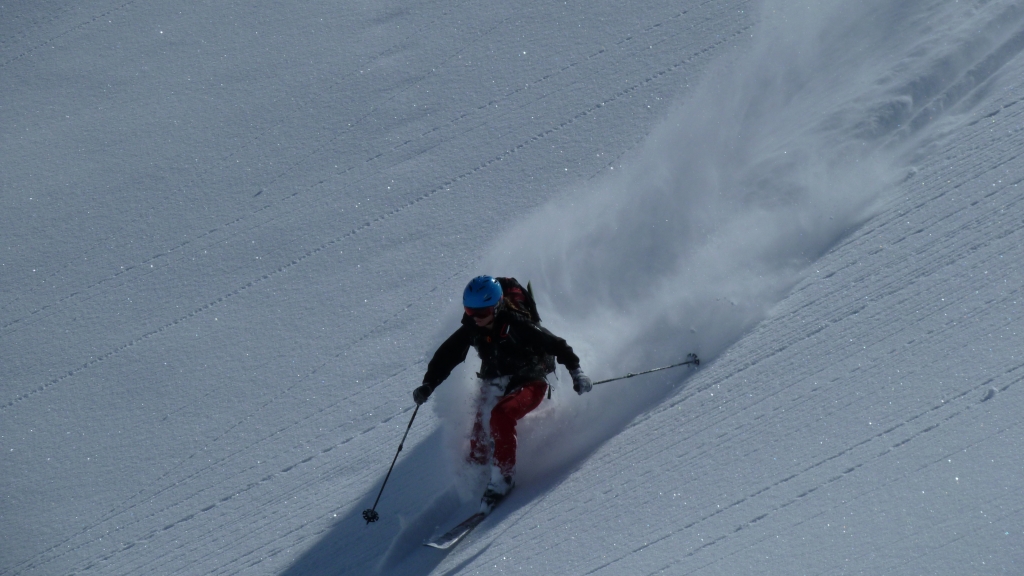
<point>55,17</point>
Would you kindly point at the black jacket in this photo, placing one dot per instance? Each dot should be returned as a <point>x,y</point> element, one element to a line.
<point>513,346</point>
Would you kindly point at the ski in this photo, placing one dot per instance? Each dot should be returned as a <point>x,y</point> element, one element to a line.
<point>452,537</point>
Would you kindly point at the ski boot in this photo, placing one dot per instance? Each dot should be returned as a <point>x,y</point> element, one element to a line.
<point>497,489</point>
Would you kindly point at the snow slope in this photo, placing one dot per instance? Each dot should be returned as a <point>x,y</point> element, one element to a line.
<point>233,235</point>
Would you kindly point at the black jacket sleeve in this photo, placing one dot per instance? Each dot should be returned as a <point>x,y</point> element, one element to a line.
<point>449,355</point>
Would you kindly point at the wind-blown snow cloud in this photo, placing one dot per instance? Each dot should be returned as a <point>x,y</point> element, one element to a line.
<point>689,244</point>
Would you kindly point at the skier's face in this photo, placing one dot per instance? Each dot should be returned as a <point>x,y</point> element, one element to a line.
<point>483,317</point>
<point>484,322</point>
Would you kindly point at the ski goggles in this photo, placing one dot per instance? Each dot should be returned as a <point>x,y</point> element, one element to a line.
<point>480,312</point>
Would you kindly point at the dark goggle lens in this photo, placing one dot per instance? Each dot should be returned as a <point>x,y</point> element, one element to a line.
<point>480,312</point>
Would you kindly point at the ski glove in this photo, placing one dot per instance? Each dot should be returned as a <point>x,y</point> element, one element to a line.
<point>421,394</point>
<point>580,382</point>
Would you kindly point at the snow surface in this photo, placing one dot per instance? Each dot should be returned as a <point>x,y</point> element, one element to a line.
<point>232,236</point>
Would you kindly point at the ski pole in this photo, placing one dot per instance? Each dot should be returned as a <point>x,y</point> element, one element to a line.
<point>690,359</point>
<point>370,514</point>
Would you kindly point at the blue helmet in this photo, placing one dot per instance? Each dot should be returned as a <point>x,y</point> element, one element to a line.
<point>481,292</point>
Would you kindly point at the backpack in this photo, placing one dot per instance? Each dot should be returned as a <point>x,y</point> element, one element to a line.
<point>520,300</point>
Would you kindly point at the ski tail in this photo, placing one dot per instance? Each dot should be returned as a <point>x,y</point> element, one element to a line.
<point>452,537</point>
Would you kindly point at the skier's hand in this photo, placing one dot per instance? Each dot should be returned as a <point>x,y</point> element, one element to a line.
<point>421,394</point>
<point>580,382</point>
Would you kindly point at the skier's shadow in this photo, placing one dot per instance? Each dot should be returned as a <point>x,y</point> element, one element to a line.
<point>418,500</point>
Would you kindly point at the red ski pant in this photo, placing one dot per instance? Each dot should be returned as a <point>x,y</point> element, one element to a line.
<point>509,410</point>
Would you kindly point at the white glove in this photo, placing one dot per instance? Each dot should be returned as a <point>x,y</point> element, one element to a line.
<point>580,382</point>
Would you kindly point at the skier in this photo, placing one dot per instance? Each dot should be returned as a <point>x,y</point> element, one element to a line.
<point>515,355</point>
